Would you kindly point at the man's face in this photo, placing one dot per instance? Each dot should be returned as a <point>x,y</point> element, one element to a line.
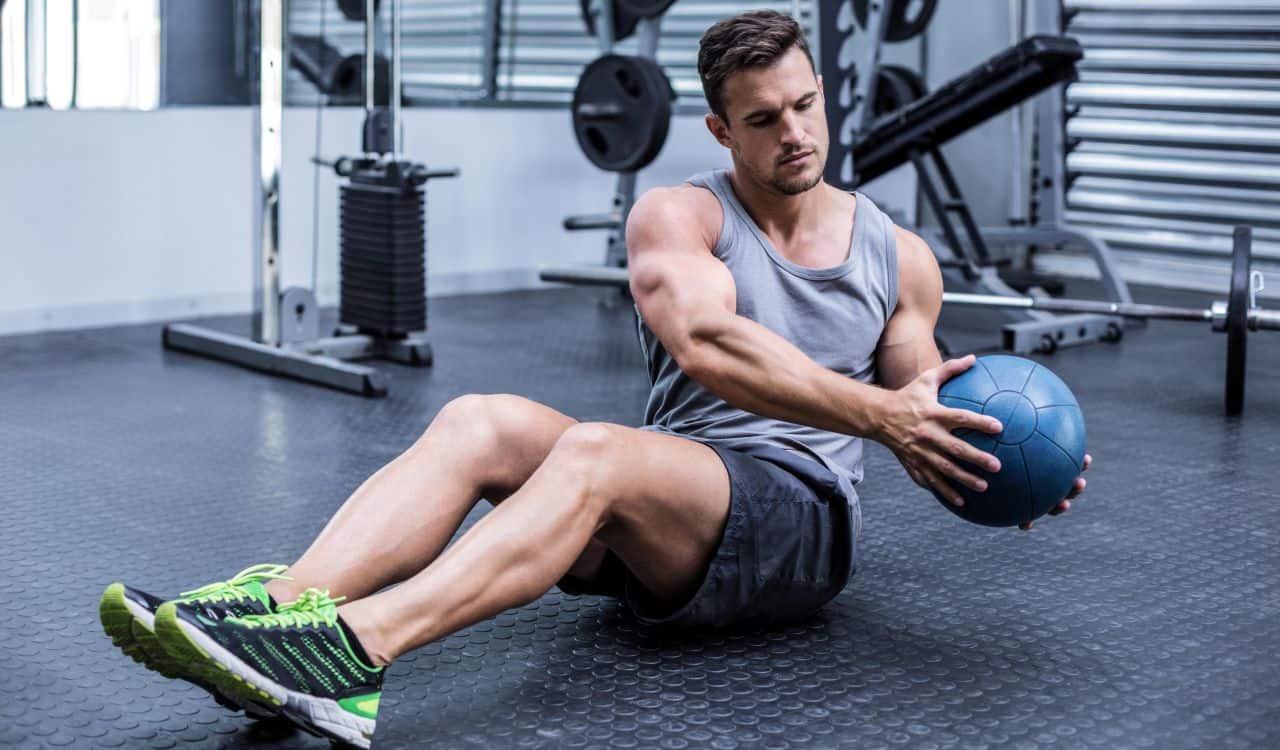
<point>776,123</point>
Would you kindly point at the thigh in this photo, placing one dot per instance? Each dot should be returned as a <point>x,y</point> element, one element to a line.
<point>784,549</point>
<point>669,501</point>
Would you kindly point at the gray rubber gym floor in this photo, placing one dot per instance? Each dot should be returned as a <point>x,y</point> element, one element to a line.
<point>1146,617</point>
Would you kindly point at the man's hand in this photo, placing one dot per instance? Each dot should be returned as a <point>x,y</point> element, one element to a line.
<point>1065,505</point>
<point>918,430</point>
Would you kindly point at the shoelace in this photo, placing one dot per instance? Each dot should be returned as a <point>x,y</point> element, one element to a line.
<point>233,589</point>
<point>312,607</point>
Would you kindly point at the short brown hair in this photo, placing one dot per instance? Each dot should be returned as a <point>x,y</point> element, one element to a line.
<point>748,40</point>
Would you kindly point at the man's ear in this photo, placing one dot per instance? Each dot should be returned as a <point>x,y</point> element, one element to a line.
<point>719,129</point>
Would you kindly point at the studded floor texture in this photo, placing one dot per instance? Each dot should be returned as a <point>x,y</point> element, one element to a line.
<point>1146,617</point>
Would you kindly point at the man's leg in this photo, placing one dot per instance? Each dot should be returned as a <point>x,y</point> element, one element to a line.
<point>659,502</point>
<point>397,522</point>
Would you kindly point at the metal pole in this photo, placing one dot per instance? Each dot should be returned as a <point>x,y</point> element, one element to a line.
<point>492,35</point>
<point>37,53</point>
<point>270,111</point>
<point>369,48</point>
<point>1122,309</point>
<point>397,124</point>
<point>75,53</point>
<point>1050,115</point>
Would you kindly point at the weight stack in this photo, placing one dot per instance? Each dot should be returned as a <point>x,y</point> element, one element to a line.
<point>383,259</point>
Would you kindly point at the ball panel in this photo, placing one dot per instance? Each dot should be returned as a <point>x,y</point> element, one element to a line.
<point>1064,425</point>
<point>974,384</point>
<point>1047,389</point>
<point>1004,503</point>
<point>1008,373</point>
<point>1054,473</point>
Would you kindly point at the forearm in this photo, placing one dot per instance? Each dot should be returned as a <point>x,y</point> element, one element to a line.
<point>758,371</point>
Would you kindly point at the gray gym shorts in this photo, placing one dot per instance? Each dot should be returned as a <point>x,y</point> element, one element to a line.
<point>787,549</point>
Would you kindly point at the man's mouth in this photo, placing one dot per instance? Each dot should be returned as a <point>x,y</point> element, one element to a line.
<point>796,157</point>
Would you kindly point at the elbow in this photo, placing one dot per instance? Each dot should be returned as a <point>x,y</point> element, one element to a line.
<point>696,362</point>
<point>697,351</point>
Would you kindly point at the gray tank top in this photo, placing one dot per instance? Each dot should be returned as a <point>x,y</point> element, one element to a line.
<point>834,315</point>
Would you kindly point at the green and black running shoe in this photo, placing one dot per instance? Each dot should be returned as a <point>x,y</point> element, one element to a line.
<point>128,617</point>
<point>302,659</point>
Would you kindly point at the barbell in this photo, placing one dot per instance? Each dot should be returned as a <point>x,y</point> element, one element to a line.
<point>1235,316</point>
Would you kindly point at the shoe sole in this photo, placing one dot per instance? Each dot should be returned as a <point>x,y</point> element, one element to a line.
<point>132,630</point>
<point>233,677</point>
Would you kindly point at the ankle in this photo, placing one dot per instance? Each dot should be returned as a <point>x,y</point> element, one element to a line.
<point>367,633</point>
<point>283,592</point>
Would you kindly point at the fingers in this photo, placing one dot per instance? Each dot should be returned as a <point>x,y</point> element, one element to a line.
<point>1060,508</point>
<point>965,452</point>
<point>934,482</point>
<point>963,419</point>
<point>1077,488</point>
<point>948,468</point>
<point>953,367</point>
<point>1088,461</point>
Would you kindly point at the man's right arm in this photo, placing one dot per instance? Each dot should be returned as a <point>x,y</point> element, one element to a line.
<point>688,299</point>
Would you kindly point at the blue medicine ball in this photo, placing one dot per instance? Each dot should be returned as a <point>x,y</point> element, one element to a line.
<point>1041,449</point>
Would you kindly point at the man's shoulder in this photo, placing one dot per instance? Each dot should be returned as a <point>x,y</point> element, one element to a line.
<point>919,278</point>
<point>684,198</point>
<point>684,210</point>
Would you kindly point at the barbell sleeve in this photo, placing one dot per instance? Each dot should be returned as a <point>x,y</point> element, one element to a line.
<point>1264,320</point>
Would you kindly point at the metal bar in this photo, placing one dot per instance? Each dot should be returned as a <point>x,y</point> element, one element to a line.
<point>1171,6</point>
<point>648,33</point>
<point>588,275</point>
<point>956,202</point>
<point>269,114</point>
<point>37,55</point>
<point>1052,304</point>
<point>1171,43</point>
<point>1234,175</point>
<point>593,221</point>
<point>1264,320</point>
<point>492,33</point>
<point>75,53</point>
<point>1203,63</point>
<point>1191,24</point>
<point>1176,206</point>
<point>1067,236</point>
<point>276,360</point>
<point>369,49</point>
<point>1179,134</point>
<point>397,123</point>
<point>1048,176</point>
<point>1175,97</point>
<point>864,87</point>
<point>940,213</point>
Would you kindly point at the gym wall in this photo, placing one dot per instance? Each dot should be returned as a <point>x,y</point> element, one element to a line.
<point>115,217</point>
<point>126,217</point>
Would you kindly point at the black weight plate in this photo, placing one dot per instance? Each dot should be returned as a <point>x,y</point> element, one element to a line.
<point>1238,319</point>
<point>354,9</point>
<point>658,77</point>
<point>643,8</point>
<point>639,95</point>
<point>901,27</point>
<point>896,87</point>
<point>624,24</point>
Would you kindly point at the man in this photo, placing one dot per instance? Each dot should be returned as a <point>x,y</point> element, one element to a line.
<point>783,322</point>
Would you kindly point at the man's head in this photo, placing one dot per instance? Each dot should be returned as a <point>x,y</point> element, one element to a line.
<point>766,99</point>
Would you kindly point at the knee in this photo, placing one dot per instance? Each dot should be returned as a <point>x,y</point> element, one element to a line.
<point>477,420</point>
<point>590,453</point>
